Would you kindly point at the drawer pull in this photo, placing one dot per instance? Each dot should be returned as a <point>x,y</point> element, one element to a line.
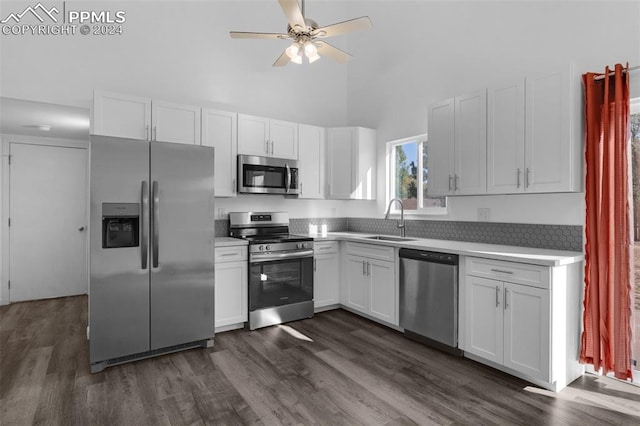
<point>502,271</point>
<point>229,254</point>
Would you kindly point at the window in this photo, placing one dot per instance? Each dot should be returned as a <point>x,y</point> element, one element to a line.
<point>408,177</point>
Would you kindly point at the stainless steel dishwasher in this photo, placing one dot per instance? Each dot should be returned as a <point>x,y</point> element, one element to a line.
<point>429,297</point>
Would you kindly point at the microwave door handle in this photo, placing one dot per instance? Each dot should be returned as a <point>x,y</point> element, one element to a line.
<point>287,184</point>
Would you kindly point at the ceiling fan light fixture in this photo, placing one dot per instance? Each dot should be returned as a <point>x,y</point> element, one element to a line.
<point>294,50</point>
<point>310,49</point>
<point>297,59</point>
<point>313,58</point>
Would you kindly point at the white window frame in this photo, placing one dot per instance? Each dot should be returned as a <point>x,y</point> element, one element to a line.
<point>391,172</point>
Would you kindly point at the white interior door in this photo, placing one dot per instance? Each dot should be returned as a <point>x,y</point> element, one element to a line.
<point>48,212</point>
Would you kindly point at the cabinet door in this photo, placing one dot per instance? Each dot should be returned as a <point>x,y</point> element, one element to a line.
<point>219,130</point>
<point>382,291</point>
<point>527,334</point>
<point>549,166</point>
<point>484,318</point>
<point>231,293</point>
<point>311,153</point>
<point>283,137</point>
<point>340,157</point>
<point>505,139</point>
<point>365,166</point>
<point>121,116</point>
<point>175,123</point>
<point>356,283</point>
<point>470,165</point>
<point>253,135</point>
<point>440,148</point>
<point>326,280</point>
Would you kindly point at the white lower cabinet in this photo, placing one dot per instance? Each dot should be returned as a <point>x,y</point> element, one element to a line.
<point>231,299</point>
<point>326,275</point>
<point>370,282</point>
<point>524,319</point>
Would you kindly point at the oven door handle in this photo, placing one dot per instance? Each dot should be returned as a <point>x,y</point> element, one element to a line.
<point>258,257</point>
<point>287,183</point>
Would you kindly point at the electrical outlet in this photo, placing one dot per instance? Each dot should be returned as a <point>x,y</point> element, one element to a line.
<point>483,215</point>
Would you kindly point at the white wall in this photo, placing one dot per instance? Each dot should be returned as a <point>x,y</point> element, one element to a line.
<point>421,52</point>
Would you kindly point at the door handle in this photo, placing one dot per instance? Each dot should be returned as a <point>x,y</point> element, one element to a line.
<point>287,184</point>
<point>497,296</point>
<point>156,224</point>
<point>144,194</point>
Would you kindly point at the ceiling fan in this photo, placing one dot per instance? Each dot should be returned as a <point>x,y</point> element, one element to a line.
<point>307,36</point>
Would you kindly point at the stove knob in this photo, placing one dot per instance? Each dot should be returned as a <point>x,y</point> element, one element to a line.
<point>268,247</point>
<point>300,245</point>
<point>261,248</point>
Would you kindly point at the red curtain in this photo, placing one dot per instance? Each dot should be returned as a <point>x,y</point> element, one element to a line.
<point>606,339</point>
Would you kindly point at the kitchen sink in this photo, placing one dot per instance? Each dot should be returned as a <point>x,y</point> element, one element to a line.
<point>389,238</point>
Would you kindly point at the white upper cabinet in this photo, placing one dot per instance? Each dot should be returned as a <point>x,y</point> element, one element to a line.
<point>219,130</point>
<point>552,151</point>
<point>125,116</point>
<point>311,156</point>
<point>351,163</point>
<point>267,138</point>
<point>470,165</point>
<point>456,149</point>
<point>120,115</point>
<point>505,139</point>
<point>531,142</point>
<point>175,123</point>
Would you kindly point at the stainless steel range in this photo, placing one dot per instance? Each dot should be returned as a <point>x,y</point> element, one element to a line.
<point>280,268</point>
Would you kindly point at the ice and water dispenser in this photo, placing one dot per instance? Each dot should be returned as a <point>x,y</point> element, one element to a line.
<point>120,224</point>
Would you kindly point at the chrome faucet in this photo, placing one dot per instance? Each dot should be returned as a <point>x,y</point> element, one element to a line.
<point>401,220</point>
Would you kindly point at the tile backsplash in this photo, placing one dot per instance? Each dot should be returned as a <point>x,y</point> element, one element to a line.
<point>556,237</point>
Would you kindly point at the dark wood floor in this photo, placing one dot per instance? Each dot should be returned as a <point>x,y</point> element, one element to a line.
<point>336,368</point>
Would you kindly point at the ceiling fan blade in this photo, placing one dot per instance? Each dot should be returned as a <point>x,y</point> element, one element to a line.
<point>325,49</point>
<point>282,60</point>
<point>292,11</point>
<point>358,24</point>
<point>240,34</point>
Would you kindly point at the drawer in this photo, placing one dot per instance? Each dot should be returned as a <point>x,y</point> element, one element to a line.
<point>513,272</point>
<point>231,254</point>
<point>372,251</point>
<point>325,247</point>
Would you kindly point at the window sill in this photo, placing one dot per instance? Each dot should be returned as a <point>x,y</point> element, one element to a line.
<point>421,213</point>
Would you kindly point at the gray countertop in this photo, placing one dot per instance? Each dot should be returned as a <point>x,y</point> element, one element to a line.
<point>228,242</point>
<point>535,256</point>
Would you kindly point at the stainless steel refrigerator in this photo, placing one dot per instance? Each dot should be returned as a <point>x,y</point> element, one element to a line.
<point>151,288</point>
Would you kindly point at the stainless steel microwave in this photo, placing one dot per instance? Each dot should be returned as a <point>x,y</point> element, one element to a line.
<point>267,175</point>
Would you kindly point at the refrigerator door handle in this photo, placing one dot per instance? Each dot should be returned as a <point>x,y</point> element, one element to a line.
<point>144,244</point>
<point>155,224</point>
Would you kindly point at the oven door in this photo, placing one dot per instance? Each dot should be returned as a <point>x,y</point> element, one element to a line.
<point>263,175</point>
<point>280,282</point>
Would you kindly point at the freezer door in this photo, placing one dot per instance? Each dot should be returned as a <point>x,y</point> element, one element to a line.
<point>182,244</point>
<point>119,278</point>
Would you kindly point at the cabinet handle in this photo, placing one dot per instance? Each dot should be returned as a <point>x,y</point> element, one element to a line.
<point>266,148</point>
<point>455,182</point>
<point>314,265</point>
<point>518,178</point>
<point>527,178</point>
<point>449,183</point>
<point>300,188</point>
<point>497,296</point>
<point>233,185</point>
<point>368,269</point>
<point>506,304</point>
<point>146,132</point>
<point>155,133</point>
<point>271,147</point>
<point>502,271</point>
<point>228,254</point>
